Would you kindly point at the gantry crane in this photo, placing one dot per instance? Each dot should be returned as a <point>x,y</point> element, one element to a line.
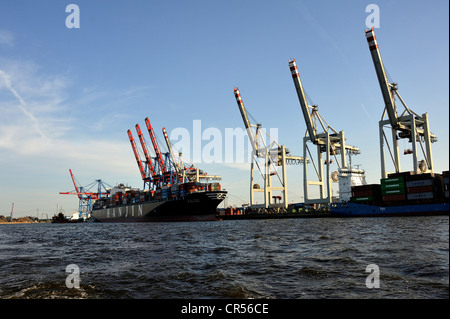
<point>85,196</point>
<point>166,175</point>
<point>152,176</point>
<point>185,171</point>
<point>164,171</point>
<point>273,154</point>
<point>330,142</point>
<point>175,165</point>
<point>144,176</point>
<point>408,125</point>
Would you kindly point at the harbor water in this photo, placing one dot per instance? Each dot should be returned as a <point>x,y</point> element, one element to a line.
<point>276,259</point>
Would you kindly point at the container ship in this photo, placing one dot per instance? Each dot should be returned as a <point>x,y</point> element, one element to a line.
<point>400,194</point>
<point>192,201</point>
<point>177,191</point>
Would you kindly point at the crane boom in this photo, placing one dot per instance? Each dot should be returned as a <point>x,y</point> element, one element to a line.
<point>386,87</point>
<point>144,148</point>
<point>74,183</point>
<point>169,147</point>
<point>304,104</point>
<point>248,127</point>
<point>155,146</point>
<point>79,191</point>
<point>136,155</point>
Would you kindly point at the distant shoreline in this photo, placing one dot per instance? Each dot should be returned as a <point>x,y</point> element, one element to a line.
<point>1,223</point>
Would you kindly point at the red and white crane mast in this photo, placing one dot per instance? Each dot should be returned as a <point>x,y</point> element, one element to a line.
<point>159,158</point>
<point>273,154</point>
<point>330,142</point>
<point>136,155</point>
<point>146,154</point>
<point>408,124</point>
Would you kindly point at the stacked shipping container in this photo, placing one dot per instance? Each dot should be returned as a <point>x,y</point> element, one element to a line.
<point>368,194</point>
<point>174,191</point>
<point>404,189</point>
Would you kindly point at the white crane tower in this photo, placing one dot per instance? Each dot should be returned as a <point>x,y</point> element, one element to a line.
<point>330,142</point>
<point>273,155</point>
<point>408,125</point>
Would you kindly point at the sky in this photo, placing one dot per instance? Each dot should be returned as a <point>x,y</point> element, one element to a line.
<point>69,95</point>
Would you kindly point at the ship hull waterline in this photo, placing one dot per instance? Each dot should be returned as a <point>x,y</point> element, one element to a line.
<point>364,210</point>
<point>197,206</point>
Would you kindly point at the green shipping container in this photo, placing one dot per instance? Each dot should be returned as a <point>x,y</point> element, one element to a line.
<point>393,191</point>
<point>362,199</point>
<point>396,185</point>
<point>390,180</point>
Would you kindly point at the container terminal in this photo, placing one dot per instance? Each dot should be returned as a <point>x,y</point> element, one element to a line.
<point>418,192</point>
<point>175,190</point>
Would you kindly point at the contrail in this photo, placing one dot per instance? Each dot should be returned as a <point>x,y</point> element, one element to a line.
<point>367,113</point>
<point>22,104</point>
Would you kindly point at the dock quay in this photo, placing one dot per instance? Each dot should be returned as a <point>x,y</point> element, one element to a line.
<point>273,213</point>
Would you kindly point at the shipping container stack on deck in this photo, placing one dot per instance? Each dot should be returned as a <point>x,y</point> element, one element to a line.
<point>424,187</point>
<point>404,188</point>
<point>393,188</point>
<point>366,194</point>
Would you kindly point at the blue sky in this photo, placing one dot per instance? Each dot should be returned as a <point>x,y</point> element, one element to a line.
<point>68,96</point>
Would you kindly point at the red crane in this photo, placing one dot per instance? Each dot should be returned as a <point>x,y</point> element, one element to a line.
<point>144,147</point>
<point>85,196</point>
<point>78,191</point>
<point>156,147</point>
<point>136,155</point>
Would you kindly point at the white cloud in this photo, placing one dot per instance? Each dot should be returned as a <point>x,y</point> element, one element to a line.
<point>21,104</point>
<point>6,38</point>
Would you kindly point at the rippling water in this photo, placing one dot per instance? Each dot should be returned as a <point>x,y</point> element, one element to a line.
<point>276,258</point>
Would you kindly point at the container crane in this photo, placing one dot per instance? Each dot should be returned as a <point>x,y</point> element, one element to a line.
<point>138,159</point>
<point>159,158</point>
<point>186,171</point>
<point>177,167</point>
<point>408,125</point>
<point>84,194</point>
<point>330,142</point>
<point>274,155</point>
<point>152,176</point>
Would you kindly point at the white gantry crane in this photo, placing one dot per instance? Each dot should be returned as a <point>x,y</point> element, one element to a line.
<point>408,125</point>
<point>330,142</point>
<point>273,155</point>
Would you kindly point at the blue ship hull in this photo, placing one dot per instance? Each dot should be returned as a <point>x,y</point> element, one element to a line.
<point>363,210</point>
